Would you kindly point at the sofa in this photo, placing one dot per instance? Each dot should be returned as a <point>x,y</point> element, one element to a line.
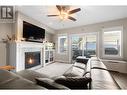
<point>100,75</point>
<point>95,70</point>
<point>84,74</point>
<point>9,80</point>
<point>73,78</point>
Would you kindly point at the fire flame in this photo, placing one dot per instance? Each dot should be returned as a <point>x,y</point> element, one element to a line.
<point>30,61</point>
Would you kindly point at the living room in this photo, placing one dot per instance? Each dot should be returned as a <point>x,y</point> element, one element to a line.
<point>63,47</point>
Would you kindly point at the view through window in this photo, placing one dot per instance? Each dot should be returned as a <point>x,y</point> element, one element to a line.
<point>112,43</point>
<point>62,44</point>
<point>84,45</point>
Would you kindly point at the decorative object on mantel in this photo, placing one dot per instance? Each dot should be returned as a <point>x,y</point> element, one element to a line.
<point>12,38</point>
<point>53,45</point>
<point>49,45</point>
<point>9,38</point>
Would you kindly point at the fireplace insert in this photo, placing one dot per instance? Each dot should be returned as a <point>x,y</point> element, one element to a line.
<point>32,59</point>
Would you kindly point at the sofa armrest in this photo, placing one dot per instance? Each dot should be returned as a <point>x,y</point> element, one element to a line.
<point>49,84</point>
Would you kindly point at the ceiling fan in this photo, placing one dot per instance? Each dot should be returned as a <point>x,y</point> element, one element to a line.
<point>65,12</point>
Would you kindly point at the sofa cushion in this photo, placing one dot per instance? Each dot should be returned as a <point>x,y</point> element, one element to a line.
<point>20,83</point>
<point>80,65</point>
<point>49,83</point>
<point>74,72</point>
<point>6,76</point>
<point>97,64</point>
<point>102,79</point>
<point>74,82</point>
<point>54,78</point>
<point>15,81</point>
<point>31,75</point>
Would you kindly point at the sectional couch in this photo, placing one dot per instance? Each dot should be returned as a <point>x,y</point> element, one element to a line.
<point>101,77</point>
<point>84,74</point>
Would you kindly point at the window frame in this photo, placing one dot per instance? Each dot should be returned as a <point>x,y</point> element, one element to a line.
<point>120,55</point>
<point>58,39</point>
<point>81,34</point>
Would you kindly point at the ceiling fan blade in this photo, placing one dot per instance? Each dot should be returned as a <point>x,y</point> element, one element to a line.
<point>71,18</point>
<point>52,15</point>
<point>74,11</point>
<point>59,7</point>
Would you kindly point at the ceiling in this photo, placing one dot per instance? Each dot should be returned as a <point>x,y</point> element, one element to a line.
<point>87,15</point>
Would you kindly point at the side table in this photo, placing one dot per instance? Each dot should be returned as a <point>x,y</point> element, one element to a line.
<point>7,67</point>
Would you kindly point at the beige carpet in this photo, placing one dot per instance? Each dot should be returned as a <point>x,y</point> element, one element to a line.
<point>54,69</point>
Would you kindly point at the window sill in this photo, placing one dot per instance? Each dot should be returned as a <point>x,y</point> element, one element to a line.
<point>113,61</point>
<point>113,57</point>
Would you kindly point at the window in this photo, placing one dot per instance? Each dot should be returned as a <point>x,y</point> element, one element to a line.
<point>62,44</point>
<point>83,45</point>
<point>91,44</point>
<point>112,42</point>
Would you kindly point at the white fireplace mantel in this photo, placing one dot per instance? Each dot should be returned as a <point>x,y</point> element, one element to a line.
<point>17,53</point>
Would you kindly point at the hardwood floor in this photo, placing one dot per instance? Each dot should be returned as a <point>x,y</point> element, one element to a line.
<point>120,78</point>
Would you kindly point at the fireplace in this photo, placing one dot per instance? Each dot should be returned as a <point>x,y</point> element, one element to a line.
<point>32,59</point>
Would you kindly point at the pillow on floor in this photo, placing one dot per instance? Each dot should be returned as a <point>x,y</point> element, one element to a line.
<point>74,82</point>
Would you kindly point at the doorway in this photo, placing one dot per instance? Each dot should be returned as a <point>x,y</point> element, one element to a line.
<point>83,45</point>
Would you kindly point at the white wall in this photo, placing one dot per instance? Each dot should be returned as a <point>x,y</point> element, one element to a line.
<point>94,28</point>
<point>2,54</point>
<point>5,29</point>
<point>49,37</point>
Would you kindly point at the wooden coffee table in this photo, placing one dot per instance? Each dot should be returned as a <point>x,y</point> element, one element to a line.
<point>7,67</point>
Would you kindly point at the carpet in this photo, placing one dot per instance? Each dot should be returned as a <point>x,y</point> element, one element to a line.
<point>54,69</point>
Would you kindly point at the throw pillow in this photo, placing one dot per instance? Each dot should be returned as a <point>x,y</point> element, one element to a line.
<point>74,72</point>
<point>80,65</point>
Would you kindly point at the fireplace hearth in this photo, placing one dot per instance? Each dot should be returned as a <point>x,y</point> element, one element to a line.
<point>32,59</point>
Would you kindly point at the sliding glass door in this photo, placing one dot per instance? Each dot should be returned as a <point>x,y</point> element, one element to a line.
<point>83,45</point>
<point>76,47</point>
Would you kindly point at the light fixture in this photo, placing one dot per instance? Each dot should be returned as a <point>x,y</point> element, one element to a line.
<point>65,12</point>
<point>63,15</point>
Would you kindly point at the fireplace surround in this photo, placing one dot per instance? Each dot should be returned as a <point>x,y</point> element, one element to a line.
<point>19,50</point>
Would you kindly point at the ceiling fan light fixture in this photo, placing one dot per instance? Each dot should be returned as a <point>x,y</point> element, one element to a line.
<point>63,15</point>
<point>65,12</point>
